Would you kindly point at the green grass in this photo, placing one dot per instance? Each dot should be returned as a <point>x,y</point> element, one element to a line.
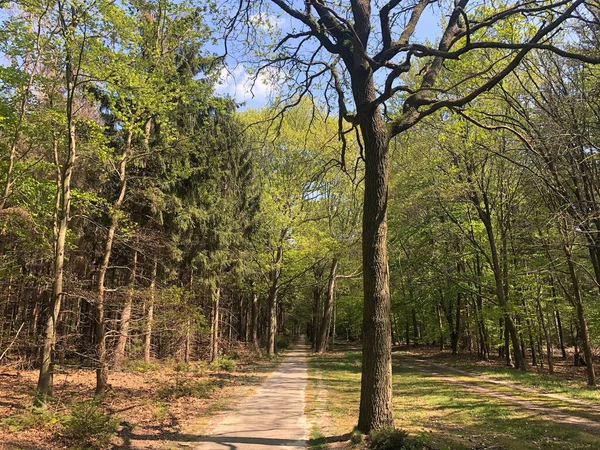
<point>317,440</point>
<point>447,415</point>
<point>576,389</point>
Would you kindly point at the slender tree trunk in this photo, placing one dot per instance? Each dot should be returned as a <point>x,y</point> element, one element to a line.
<point>62,212</point>
<point>499,282</point>
<point>273,291</point>
<point>101,355</point>
<point>583,328</point>
<point>214,335</point>
<point>255,343</point>
<point>328,308</point>
<point>415,325</point>
<point>272,328</point>
<point>188,343</point>
<point>441,326</point>
<point>230,323</point>
<point>507,355</point>
<point>530,334</point>
<point>315,315</point>
<point>126,314</point>
<point>332,346</point>
<point>242,334</point>
<point>560,335</point>
<point>150,312</point>
<point>454,336</point>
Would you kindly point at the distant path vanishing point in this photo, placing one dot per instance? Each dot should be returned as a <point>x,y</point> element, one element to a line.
<point>273,417</point>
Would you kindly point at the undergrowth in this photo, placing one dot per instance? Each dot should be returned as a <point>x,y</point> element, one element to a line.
<point>184,387</point>
<point>84,426</point>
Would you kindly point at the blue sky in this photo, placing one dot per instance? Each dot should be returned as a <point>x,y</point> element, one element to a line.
<point>237,83</point>
<point>241,86</point>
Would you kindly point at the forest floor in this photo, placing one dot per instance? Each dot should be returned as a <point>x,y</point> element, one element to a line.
<point>460,403</point>
<point>153,403</point>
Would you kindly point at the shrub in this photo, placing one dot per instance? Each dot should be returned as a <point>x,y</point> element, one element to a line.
<point>389,438</point>
<point>161,412</point>
<point>181,367</point>
<point>187,388</point>
<point>356,437</point>
<point>88,426</point>
<point>141,366</point>
<point>34,417</point>
<point>224,363</point>
<point>282,343</point>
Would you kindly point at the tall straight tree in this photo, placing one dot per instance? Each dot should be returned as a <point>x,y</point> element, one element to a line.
<point>161,63</point>
<point>369,48</point>
<point>79,35</point>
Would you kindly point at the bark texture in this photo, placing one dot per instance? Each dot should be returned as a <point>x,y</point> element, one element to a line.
<point>321,344</point>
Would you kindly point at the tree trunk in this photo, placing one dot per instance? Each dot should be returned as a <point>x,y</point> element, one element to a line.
<point>188,343</point>
<point>328,309</point>
<point>455,334</point>
<point>484,215</point>
<point>415,325</point>
<point>273,291</point>
<point>333,330</point>
<point>315,315</point>
<point>272,328</point>
<point>102,363</point>
<point>255,343</point>
<point>63,207</point>
<point>150,312</point>
<point>376,381</point>
<point>126,315</point>
<point>583,328</point>
<point>441,327</point>
<point>214,335</point>
<point>560,335</point>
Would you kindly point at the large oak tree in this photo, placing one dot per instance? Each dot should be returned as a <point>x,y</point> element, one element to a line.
<point>370,50</point>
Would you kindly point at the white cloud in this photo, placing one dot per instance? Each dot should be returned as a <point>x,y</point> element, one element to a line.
<point>244,88</point>
<point>266,22</point>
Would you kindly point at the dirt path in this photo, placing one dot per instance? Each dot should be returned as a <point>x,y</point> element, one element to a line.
<point>583,417</point>
<point>273,417</point>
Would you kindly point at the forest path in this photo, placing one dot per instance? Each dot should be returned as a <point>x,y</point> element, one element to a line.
<point>548,406</point>
<point>272,417</point>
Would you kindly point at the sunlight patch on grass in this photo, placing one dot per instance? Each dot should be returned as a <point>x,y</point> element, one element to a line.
<point>450,415</point>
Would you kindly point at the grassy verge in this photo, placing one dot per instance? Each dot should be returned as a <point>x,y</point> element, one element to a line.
<point>445,415</point>
<point>573,388</point>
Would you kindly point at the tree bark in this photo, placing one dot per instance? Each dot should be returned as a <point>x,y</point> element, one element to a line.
<point>376,381</point>
<point>100,334</point>
<point>415,326</point>
<point>560,335</point>
<point>62,213</point>
<point>547,337</point>
<point>273,290</point>
<point>315,315</point>
<point>214,335</point>
<point>255,343</point>
<point>583,328</point>
<point>126,315</point>
<point>150,312</point>
<point>328,309</point>
<point>485,217</point>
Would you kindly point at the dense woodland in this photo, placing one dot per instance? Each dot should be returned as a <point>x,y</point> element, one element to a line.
<point>143,216</point>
